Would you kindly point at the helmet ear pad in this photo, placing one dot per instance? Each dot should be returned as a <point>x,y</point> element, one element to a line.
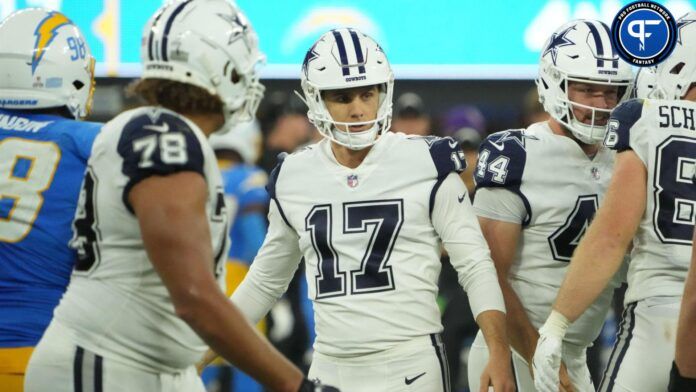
<point>209,44</point>
<point>342,59</point>
<point>580,51</point>
<point>46,62</point>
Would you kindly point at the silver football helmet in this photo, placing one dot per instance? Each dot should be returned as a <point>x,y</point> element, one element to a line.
<point>580,51</point>
<point>209,44</point>
<point>340,59</point>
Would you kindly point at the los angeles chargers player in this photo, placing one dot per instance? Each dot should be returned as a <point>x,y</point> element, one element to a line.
<point>145,298</point>
<point>367,209</point>
<point>650,204</point>
<point>46,85</point>
<point>538,189</point>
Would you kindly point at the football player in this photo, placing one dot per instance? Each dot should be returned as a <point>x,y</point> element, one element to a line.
<point>367,210</point>
<point>151,229</point>
<point>46,85</point>
<point>538,189</point>
<point>649,205</point>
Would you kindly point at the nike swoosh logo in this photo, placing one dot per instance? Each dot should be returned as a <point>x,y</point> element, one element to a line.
<point>461,198</point>
<point>453,144</point>
<point>158,128</point>
<point>410,381</point>
<point>500,147</point>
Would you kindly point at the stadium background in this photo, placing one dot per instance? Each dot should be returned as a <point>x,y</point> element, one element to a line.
<point>462,68</point>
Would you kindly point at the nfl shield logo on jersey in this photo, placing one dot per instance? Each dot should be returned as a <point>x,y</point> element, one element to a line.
<point>352,180</point>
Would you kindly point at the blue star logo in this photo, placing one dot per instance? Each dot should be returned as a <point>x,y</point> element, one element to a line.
<point>557,41</point>
<point>311,55</point>
<point>682,23</point>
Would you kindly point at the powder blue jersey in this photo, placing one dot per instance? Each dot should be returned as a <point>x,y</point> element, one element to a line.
<point>42,163</point>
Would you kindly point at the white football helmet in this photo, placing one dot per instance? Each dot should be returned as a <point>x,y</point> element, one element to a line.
<point>580,51</point>
<point>340,59</point>
<point>245,139</point>
<point>646,84</point>
<point>209,44</point>
<point>45,62</point>
<point>677,73</point>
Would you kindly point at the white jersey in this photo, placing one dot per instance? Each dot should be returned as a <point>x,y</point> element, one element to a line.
<point>549,185</point>
<point>370,237</point>
<point>116,301</point>
<point>662,134</point>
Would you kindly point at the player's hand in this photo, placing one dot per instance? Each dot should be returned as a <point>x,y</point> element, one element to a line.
<point>547,363</point>
<point>498,374</point>
<point>316,386</point>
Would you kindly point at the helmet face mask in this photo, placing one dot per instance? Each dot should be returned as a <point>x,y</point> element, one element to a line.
<point>46,63</point>
<point>209,44</point>
<point>580,52</point>
<point>345,59</point>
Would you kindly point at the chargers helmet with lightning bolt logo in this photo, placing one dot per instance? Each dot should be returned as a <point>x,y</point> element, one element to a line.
<point>209,44</point>
<point>45,62</point>
<point>581,51</point>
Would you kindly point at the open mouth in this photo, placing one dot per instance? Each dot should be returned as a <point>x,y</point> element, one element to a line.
<point>358,128</point>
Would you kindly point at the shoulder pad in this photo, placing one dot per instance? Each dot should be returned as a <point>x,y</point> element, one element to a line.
<point>447,155</point>
<point>622,119</point>
<point>158,144</point>
<point>501,159</point>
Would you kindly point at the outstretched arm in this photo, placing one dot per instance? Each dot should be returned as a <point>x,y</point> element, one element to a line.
<point>595,261</point>
<point>176,235</point>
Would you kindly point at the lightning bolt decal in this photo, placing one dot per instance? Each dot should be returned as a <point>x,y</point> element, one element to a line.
<point>45,32</point>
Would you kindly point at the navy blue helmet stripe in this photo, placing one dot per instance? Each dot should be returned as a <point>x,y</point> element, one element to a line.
<point>342,52</point>
<point>151,37</point>
<point>598,43</point>
<point>358,51</point>
<point>168,27</point>
<point>615,63</point>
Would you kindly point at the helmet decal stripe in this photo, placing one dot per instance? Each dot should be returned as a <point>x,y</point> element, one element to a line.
<point>168,27</point>
<point>615,63</point>
<point>151,37</point>
<point>598,43</point>
<point>45,32</point>
<point>358,51</point>
<point>342,52</point>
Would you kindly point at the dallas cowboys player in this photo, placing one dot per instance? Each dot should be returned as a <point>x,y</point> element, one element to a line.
<point>537,189</point>
<point>46,84</point>
<point>151,227</point>
<point>650,202</point>
<point>366,209</point>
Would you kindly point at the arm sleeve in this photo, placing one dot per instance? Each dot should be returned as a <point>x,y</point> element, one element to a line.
<point>272,269</point>
<point>500,204</point>
<point>455,222</point>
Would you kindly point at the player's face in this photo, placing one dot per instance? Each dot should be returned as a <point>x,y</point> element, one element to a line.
<point>596,95</point>
<point>352,105</point>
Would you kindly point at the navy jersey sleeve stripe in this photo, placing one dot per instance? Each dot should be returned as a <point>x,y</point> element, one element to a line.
<point>271,187</point>
<point>159,148</point>
<point>622,119</point>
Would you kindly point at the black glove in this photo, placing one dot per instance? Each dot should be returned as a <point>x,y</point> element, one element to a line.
<point>677,383</point>
<point>316,386</point>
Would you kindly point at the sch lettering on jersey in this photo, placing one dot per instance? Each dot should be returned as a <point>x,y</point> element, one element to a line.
<point>17,123</point>
<point>157,145</point>
<point>676,117</point>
